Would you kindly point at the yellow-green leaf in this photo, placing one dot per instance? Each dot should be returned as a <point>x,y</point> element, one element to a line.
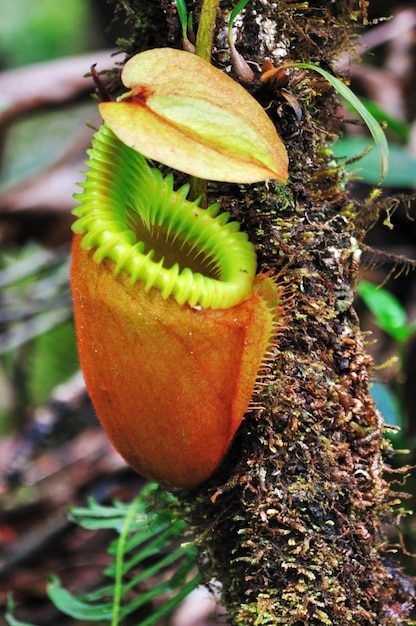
<point>185,113</point>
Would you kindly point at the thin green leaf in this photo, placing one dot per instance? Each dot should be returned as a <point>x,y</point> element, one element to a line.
<point>154,569</point>
<point>142,533</point>
<point>168,529</point>
<point>372,124</point>
<point>112,520</point>
<point>398,127</point>
<point>147,534</point>
<point>10,619</point>
<point>97,595</point>
<point>157,591</point>
<point>185,568</point>
<point>149,549</point>
<point>236,10</point>
<point>387,310</point>
<point>172,603</point>
<point>97,516</point>
<point>183,15</point>
<point>69,605</point>
<point>152,549</point>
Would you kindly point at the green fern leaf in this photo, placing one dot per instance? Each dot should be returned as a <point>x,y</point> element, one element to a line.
<point>171,604</point>
<point>99,517</point>
<point>147,548</point>
<point>76,608</point>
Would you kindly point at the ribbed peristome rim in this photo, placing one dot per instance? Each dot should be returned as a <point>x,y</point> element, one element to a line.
<point>121,183</point>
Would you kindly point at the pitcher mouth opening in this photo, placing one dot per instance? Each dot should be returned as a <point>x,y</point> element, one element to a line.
<point>164,245</point>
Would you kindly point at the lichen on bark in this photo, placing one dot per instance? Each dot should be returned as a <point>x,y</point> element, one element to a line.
<point>292,525</point>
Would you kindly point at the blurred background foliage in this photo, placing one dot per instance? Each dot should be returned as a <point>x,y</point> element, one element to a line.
<point>31,32</point>
<point>37,343</point>
<point>44,111</point>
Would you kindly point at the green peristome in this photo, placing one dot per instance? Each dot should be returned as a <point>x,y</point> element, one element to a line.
<point>129,213</point>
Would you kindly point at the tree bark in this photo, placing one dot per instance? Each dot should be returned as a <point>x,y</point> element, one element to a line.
<point>292,523</point>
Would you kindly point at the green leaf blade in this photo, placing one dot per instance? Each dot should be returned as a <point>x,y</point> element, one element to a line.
<point>183,16</point>
<point>171,604</point>
<point>372,124</point>
<point>240,6</point>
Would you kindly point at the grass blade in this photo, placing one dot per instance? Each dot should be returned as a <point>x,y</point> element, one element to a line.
<point>236,10</point>
<point>372,124</point>
<point>183,17</point>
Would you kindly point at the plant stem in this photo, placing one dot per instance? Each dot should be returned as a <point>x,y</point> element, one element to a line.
<point>198,189</point>
<point>206,29</point>
<point>204,39</point>
<point>121,548</point>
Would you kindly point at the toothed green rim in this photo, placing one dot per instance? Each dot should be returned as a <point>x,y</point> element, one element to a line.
<point>120,180</point>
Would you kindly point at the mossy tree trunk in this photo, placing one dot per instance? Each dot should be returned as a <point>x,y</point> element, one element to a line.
<point>292,524</point>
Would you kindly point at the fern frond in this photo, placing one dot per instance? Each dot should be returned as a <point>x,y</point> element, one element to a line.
<point>146,546</point>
